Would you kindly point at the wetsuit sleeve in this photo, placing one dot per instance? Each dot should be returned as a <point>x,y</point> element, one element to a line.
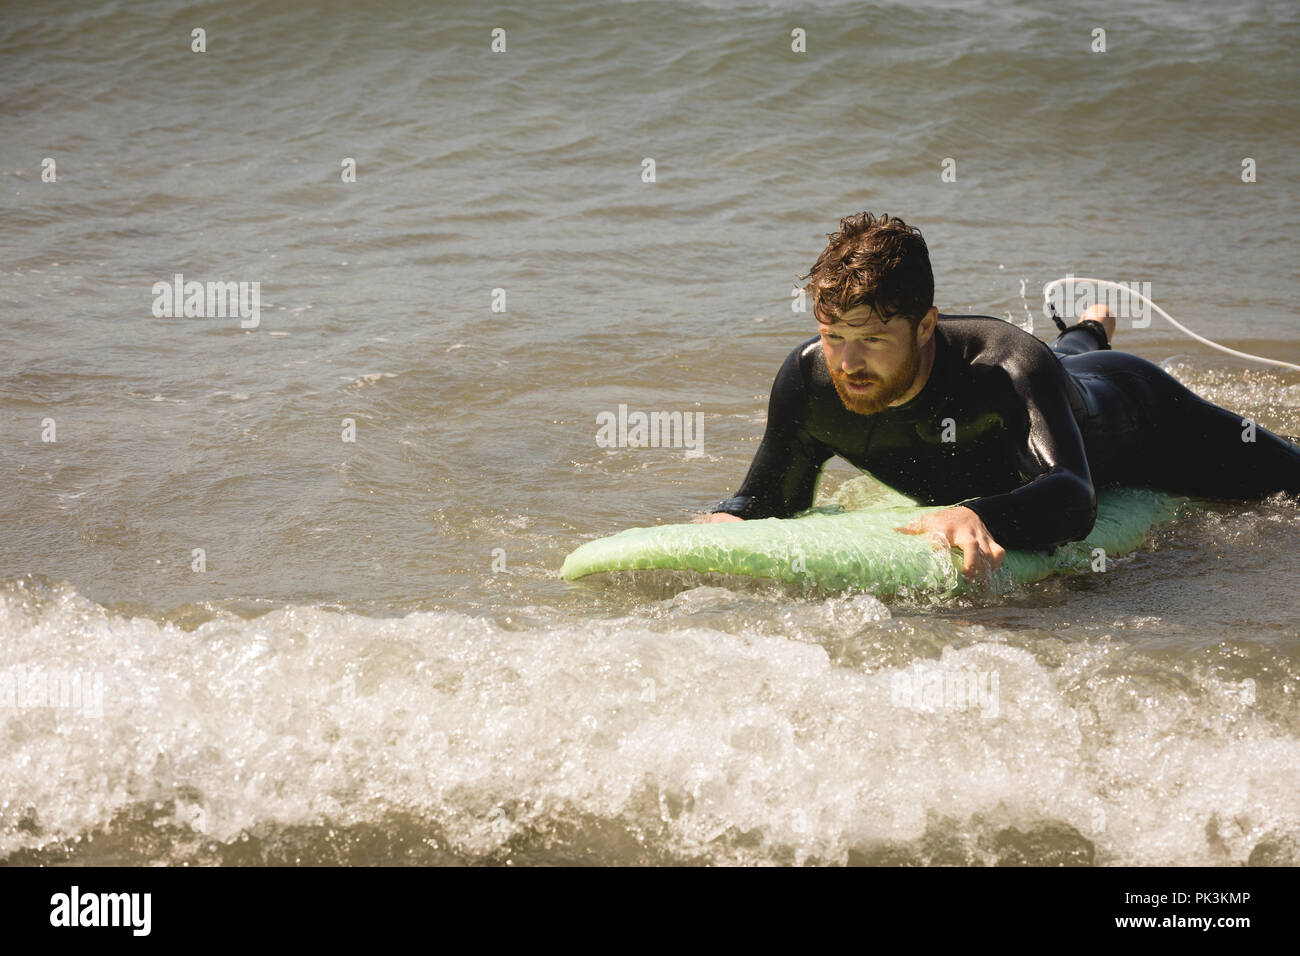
<point>783,476</point>
<point>1058,502</point>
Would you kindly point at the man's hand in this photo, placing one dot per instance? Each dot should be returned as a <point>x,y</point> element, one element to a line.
<point>715,518</point>
<point>962,528</point>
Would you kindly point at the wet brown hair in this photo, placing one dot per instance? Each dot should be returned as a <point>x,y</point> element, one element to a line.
<point>882,263</point>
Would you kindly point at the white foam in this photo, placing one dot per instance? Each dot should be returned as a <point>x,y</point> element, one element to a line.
<point>685,734</point>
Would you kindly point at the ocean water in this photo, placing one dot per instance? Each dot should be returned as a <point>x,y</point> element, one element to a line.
<point>378,661</point>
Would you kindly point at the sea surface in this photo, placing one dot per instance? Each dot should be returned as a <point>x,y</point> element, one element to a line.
<point>236,629</point>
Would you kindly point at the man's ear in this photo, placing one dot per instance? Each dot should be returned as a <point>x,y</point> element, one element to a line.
<point>925,328</point>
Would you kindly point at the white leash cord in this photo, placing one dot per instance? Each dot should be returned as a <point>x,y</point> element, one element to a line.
<point>1047,295</point>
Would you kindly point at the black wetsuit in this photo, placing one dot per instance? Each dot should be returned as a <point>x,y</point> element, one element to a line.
<point>1025,430</point>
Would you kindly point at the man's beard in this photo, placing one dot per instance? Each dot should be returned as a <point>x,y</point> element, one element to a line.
<point>883,393</point>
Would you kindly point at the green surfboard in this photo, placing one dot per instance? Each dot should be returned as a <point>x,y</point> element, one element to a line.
<point>837,549</point>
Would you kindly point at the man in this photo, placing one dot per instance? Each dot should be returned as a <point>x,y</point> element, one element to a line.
<point>972,409</point>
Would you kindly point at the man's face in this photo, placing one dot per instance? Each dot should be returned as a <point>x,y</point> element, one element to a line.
<point>872,363</point>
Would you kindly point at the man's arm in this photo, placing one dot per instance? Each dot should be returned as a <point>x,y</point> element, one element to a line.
<point>1058,502</point>
<point>782,479</point>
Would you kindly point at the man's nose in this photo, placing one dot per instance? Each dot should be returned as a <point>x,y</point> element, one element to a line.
<point>852,360</point>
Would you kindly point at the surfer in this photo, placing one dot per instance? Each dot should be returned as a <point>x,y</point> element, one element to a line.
<point>972,409</point>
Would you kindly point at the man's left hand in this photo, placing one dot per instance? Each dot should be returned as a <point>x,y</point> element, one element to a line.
<point>962,528</point>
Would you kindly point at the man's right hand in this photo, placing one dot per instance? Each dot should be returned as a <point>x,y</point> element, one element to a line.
<point>715,518</point>
<point>962,528</point>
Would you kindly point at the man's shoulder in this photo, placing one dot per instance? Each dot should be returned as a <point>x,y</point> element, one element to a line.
<point>981,328</point>
<point>988,340</point>
<point>806,357</point>
<point>803,372</point>
<point>807,348</point>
